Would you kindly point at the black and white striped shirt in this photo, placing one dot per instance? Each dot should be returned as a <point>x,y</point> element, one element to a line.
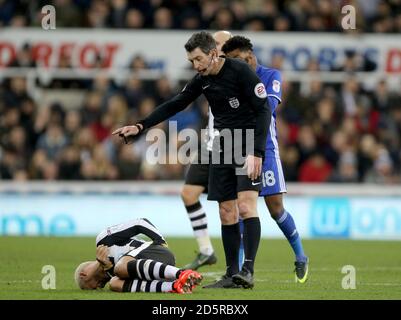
<point>121,238</point>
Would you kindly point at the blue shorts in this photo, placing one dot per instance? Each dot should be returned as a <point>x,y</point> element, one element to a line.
<point>272,177</point>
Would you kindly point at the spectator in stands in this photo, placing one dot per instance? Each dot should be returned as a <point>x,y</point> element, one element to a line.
<point>223,19</point>
<point>382,99</point>
<point>190,20</point>
<point>163,90</point>
<point>128,163</point>
<point>69,163</point>
<point>397,23</point>
<point>19,21</point>
<point>118,13</point>
<point>92,108</point>
<point>346,170</point>
<point>306,142</point>
<point>302,15</point>
<point>52,141</point>
<point>36,166</point>
<point>254,24</point>
<point>96,16</point>
<point>382,171</point>
<point>72,123</point>
<point>103,168</point>
<point>8,161</point>
<point>17,141</point>
<point>134,19</point>
<point>315,169</point>
<point>68,15</point>
<point>16,93</point>
<point>290,161</point>
<point>24,58</point>
<point>50,170</point>
<point>239,9</point>
<point>163,19</point>
<point>138,63</point>
<point>366,154</point>
<point>116,109</point>
<point>335,119</point>
<point>282,24</point>
<point>85,141</point>
<point>133,92</point>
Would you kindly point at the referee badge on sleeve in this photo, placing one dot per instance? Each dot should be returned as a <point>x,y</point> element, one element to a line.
<point>260,90</point>
<point>234,103</point>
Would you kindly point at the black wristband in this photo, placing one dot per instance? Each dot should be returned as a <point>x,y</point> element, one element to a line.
<point>131,139</point>
<point>140,127</point>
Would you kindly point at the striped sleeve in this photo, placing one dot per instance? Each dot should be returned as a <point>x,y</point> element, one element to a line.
<point>123,233</point>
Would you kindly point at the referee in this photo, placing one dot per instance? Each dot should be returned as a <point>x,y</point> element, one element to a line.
<point>196,183</point>
<point>237,99</point>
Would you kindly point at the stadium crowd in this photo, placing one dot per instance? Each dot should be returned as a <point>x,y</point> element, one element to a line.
<point>327,132</point>
<point>379,16</point>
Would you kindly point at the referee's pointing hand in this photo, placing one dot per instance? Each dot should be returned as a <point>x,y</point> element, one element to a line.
<point>127,131</point>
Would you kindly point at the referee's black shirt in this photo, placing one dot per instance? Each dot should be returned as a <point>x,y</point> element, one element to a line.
<point>236,96</point>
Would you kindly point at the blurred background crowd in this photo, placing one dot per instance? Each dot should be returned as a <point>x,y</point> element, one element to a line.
<point>328,132</point>
<point>382,16</point>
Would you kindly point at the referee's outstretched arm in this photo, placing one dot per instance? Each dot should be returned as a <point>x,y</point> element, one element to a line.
<point>164,111</point>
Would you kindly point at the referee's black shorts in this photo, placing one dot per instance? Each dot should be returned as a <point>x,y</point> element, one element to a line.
<point>224,183</point>
<point>198,174</point>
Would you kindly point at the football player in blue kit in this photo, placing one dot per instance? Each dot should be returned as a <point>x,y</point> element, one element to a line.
<point>272,173</point>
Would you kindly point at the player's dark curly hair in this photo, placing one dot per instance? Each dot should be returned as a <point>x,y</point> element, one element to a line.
<point>202,40</point>
<point>237,42</point>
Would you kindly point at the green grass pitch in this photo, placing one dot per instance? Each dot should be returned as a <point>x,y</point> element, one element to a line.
<point>377,265</point>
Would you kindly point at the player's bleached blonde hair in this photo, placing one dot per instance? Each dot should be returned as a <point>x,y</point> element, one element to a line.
<point>78,270</point>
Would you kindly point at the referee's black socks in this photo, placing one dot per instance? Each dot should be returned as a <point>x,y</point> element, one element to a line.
<point>231,237</point>
<point>251,240</point>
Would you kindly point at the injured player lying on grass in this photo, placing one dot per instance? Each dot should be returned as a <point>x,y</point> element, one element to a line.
<point>131,264</point>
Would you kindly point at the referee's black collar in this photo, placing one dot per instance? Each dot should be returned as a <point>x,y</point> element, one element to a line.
<point>221,71</point>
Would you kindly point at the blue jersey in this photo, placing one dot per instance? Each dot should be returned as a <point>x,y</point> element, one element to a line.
<point>273,181</point>
<point>271,79</point>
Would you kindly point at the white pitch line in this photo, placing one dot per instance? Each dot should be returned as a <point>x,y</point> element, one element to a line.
<point>379,284</point>
<point>18,281</point>
<point>333,269</point>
